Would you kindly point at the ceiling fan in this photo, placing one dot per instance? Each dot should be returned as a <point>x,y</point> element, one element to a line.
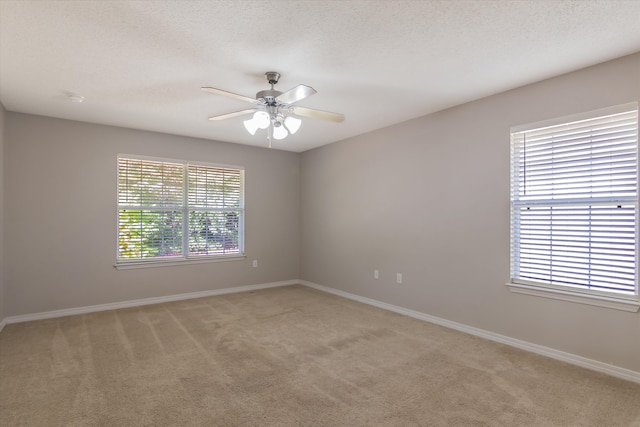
<point>274,109</point>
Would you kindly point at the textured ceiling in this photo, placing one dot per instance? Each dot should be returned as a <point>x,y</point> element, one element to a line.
<point>141,64</point>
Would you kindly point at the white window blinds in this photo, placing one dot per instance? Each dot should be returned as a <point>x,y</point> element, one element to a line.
<point>215,210</point>
<point>169,210</point>
<point>150,202</point>
<point>150,183</point>
<point>574,204</point>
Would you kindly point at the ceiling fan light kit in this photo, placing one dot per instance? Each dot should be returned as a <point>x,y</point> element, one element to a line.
<point>292,124</point>
<point>274,109</point>
<point>260,120</point>
<point>279,132</point>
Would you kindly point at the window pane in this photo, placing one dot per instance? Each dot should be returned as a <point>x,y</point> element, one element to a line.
<point>144,183</point>
<point>212,233</point>
<point>594,158</point>
<point>144,234</point>
<point>214,188</point>
<point>587,246</point>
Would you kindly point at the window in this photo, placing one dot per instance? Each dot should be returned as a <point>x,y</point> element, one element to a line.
<point>172,210</point>
<point>574,204</point>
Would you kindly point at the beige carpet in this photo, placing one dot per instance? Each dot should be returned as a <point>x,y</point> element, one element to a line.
<point>288,356</point>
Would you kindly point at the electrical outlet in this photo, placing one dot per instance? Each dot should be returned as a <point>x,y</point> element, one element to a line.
<point>398,277</point>
<point>376,274</point>
<point>255,263</point>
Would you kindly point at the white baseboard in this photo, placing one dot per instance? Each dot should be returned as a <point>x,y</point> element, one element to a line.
<point>140,302</point>
<point>3,323</point>
<point>615,371</point>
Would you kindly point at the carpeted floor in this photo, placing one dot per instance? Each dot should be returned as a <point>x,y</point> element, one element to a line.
<point>289,356</point>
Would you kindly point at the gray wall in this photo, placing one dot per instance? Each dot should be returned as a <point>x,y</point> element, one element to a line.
<point>429,198</point>
<point>60,211</point>
<point>2,282</point>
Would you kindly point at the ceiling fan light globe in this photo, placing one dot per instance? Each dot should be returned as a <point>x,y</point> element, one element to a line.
<point>280,132</point>
<point>292,124</point>
<point>251,126</point>
<point>261,119</point>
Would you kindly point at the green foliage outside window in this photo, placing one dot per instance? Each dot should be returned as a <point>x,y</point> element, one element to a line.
<point>148,234</point>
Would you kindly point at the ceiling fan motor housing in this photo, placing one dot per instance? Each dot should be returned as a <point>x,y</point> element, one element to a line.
<point>269,96</point>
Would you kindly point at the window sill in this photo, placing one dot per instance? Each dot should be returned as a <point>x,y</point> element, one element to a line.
<point>630,304</point>
<point>181,261</point>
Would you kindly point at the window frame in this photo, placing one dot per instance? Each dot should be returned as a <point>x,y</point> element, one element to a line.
<point>185,257</point>
<point>608,299</point>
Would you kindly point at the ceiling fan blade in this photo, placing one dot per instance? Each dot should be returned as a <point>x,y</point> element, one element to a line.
<point>229,94</point>
<point>234,114</point>
<point>296,94</point>
<point>318,114</point>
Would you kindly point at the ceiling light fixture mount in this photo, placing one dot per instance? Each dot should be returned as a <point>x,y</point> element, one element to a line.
<point>74,97</point>
<point>274,110</point>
